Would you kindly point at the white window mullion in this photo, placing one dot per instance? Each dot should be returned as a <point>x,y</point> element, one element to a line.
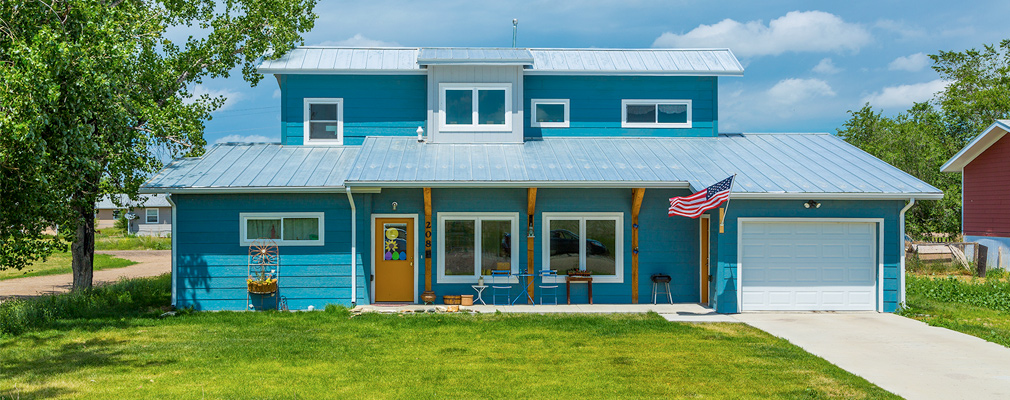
<point>582,244</point>
<point>477,251</point>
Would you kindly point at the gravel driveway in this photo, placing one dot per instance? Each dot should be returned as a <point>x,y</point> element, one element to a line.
<point>149,263</point>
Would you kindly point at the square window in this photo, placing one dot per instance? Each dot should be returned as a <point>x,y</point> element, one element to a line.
<point>592,242</point>
<point>151,216</point>
<point>323,123</point>
<point>549,113</point>
<point>472,244</point>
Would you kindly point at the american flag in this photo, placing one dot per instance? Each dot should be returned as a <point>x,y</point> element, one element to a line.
<point>694,205</point>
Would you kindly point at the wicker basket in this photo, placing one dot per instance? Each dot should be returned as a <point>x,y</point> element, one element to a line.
<point>263,287</point>
<point>451,299</point>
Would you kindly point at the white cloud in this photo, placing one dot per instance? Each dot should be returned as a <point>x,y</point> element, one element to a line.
<point>904,96</point>
<point>797,31</point>
<point>911,63</point>
<point>826,66</point>
<point>358,40</point>
<point>231,96</point>
<point>794,91</point>
<point>901,28</point>
<point>277,94</point>
<point>245,139</point>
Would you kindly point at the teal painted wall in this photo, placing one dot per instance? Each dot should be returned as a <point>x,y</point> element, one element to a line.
<point>595,103</point>
<point>667,245</point>
<point>374,105</point>
<point>724,247</point>
<point>212,266</point>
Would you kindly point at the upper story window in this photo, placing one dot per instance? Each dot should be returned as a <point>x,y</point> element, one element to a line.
<point>656,113</point>
<point>324,121</point>
<point>475,107</point>
<point>549,113</point>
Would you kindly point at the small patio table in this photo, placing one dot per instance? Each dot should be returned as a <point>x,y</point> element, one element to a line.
<point>525,283</point>
<point>479,289</point>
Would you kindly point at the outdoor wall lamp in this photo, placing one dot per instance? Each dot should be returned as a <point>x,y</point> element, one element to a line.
<point>529,232</point>
<point>394,206</point>
<point>811,204</point>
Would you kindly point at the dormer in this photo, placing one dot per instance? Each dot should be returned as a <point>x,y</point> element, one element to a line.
<point>475,95</point>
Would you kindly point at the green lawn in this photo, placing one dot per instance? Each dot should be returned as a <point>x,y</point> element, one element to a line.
<point>331,354</point>
<point>111,239</point>
<point>59,263</point>
<point>978,307</point>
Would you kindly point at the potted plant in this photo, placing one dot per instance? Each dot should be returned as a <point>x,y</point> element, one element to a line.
<point>263,255</point>
<point>578,272</point>
<point>263,282</point>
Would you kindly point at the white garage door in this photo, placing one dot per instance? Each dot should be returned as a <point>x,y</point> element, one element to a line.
<point>808,265</point>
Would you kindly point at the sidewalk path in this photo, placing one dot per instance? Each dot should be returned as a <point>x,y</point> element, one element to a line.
<point>149,263</point>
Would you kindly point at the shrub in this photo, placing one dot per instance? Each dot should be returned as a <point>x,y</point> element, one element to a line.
<point>128,297</point>
<point>122,224</point>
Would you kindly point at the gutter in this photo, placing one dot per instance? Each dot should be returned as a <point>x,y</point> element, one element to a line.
<point>901,240</point>
<point>354,249</point>
<point>173,274</point>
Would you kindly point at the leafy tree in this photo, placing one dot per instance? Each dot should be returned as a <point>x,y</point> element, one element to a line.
<point>93,92</point>
<point>921,139</point>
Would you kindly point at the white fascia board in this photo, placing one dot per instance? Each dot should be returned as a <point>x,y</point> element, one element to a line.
<point>297,71</point>
<point>837,196</point>
<point>223,190</point>
<point>969,152</point>
<point>630,73</point>
<point>523,184</point>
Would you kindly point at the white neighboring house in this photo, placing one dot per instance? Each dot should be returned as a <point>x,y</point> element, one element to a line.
<point>153,214</point>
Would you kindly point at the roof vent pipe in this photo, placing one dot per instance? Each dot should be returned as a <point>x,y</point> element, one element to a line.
<point>420,134</point>
<point>515,27</point>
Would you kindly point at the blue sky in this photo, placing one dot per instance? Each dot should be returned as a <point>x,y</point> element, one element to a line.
<point>806,63</point>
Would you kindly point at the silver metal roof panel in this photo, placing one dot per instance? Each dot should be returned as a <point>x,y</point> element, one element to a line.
<point>257,167</point>
<point>319,59</point>
<point>474,56</point>
<point>635,61</point>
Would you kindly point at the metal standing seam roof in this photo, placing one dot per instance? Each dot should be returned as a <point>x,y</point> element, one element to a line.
<point>147,200</point>
<point>765,164</point>
<point>474,56</point>
<point>257,167</point>
<point>321,60</point>
<point>655,61</point>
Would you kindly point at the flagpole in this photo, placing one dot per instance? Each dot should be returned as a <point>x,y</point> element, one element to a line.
<point>725,210</point>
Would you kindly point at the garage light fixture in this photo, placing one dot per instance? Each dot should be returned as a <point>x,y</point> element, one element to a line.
<point>811,204</point>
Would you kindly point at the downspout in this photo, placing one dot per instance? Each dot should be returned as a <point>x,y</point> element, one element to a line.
<point>354,249</point>
<point>901,240</point>
<point>174,247</point>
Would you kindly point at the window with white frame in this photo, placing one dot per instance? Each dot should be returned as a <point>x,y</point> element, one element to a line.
<point>475,107</point>
<point>549,113</point>
<point>473,244</point>
<point>151,216</point>
<point>586,242</point>
<point>655,113</point>
<point>324,121</point>
<point>285,229</point>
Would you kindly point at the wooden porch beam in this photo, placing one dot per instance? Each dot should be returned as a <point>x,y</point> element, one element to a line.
<point>636,205</point>
<point>427,239</point>
<point>531,200</point>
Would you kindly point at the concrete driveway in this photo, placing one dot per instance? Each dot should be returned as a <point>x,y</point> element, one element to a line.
<point>901,355</point>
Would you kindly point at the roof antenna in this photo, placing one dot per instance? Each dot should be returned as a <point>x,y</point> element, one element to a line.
<point>515,27</point>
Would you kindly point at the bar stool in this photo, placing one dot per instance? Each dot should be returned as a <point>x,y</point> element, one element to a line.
<point>661,279</point>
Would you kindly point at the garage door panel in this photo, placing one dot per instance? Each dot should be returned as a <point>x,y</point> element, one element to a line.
<point>808,265</point>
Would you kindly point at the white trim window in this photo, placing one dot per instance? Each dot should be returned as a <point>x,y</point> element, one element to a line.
<point>656,113</point>
<point>485,107</point>
<point>284,228</point>
<point>601,252</point>
<point>149,217</point>
<point>323,121</point>
<point>549,113</point>
<point>472,244</point>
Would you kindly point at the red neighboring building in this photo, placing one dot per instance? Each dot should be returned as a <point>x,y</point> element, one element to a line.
<point>984,165</point>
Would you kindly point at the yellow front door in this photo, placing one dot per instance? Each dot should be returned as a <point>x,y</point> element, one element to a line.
<point>394,259</point>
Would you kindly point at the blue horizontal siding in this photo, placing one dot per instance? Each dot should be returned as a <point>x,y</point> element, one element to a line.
<point>724,251</point>
<point>595,103</point>
<point>374,105</point>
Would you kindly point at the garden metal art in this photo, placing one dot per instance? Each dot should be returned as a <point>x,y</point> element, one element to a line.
<point>264,268</point>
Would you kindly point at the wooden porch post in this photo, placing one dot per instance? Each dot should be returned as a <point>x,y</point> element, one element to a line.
<point>531,200</point>
<point>636,205</point>
<point>427,239</point>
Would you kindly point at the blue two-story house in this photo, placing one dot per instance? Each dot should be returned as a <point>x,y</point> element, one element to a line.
<point>405,171</point>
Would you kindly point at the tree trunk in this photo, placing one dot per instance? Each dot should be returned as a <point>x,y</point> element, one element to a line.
<point>83,248</point>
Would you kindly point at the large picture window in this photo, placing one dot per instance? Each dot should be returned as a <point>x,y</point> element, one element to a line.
<point>324,121</point>
<point>475,107</point>
<point>286,229</point>
<point>587,242</point>
<point>473,244</point>
<point>656,113</point>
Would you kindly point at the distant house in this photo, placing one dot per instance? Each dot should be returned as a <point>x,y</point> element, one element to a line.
<point>152,214</point>
<point>406,171</point>
<point>984,165</point>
